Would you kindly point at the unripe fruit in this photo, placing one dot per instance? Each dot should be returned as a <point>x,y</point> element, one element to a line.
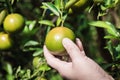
<point>14,23</point>
<point>54,39</point>
<point>36,62</point>
<point>79,6</point>
<point>5,41</point>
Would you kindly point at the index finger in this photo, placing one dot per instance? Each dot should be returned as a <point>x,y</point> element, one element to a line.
<point>72,49</point>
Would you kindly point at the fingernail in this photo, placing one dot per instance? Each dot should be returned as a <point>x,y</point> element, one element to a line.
<point>65,40</point>
<point>77,39</point>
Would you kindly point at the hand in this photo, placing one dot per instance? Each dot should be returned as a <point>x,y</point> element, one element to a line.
<point>80,68</point>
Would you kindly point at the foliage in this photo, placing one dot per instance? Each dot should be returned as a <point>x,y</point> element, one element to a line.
<point>97,25</point>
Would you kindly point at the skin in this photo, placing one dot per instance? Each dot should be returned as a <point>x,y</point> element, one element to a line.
<point>80,67</point>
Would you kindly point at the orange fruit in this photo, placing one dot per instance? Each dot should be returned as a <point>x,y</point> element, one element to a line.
<point>36,62</point>
<point>5,41</point>
<point>79,6</point>
<point>14,23</point>
<point>54,39</point>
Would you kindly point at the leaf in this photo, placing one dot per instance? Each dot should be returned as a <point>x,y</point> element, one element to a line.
<point>31,43</point>
<point>38,52</point>
<point>46,22</point>
<point>109,37</point>
<point>28,73</point>
<point>52,8</point>
<point>8,68</point>
<point>44,67</point>
<point>118,48</point>
<point>57,3</point>
<point>31,46</point>
<point>107,25</point>
<point>32,25</point>
<point>58,21</point>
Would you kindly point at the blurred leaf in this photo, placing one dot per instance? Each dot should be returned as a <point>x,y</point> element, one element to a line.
<point>52,8</point>
<point>109,37</point>
<point>8,68</point>
<point>31,43</point>
<point>18,70</point>
<point>10,77</point>
<point>44,67</point>
<point>106,66</point>
<point>56,77</point>
<point>3,14</point>
<point>107,25</point>
<point>31,46</point>
<point>38,52</point>
<point>118,48</point>
<point>57,3</point>
<point>28,73</point>
<point>32,25</point>
<point>46,22</point>
<point>58,21</point>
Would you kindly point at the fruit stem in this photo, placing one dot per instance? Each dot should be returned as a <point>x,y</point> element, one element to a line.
<point>9,6</point>
<point>62,16</point>
<point>70,3</point>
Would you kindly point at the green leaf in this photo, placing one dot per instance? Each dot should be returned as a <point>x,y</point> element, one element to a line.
<point>38,52</point>
<point>31,46</point>
<point>31,43</point>
<point>107,25</point>
<point>8,68</point>
<point>46,22</point>
<point>109,37</point>
<point>52,8</point>
<point>118,48</point>
<point>44,67</point>
<point>9,77</point>
<point>32,25</point>
<point>57,3</point>
<point>58,21</point>
<point>28,73</point>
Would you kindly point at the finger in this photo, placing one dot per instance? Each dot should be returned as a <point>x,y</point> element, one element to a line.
<point>79,44</point>
<point>52,60</point>
<point>72,49</point>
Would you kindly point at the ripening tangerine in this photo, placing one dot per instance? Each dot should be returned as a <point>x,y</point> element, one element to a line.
<point>5,41</point>
<point>54,39</point>
<point>14,23</point>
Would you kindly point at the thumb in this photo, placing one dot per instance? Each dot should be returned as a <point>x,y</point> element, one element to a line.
<point>52,60</point>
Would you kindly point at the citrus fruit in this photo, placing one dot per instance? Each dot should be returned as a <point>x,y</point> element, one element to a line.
<point>54,39</point>
<point>79,6</point>
<point>5,41</point>
<point>36,62</point>
<point>14,23</point>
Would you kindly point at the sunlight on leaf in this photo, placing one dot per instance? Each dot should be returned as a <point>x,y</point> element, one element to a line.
<point>52,8</point>
<point>46,22</point>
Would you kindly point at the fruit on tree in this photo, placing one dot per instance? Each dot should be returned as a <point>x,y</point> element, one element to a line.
<point>5,41</point>
<point>54,39</point>
<point>14,23</point>
<point>36,62</point>
<point>79,6</point>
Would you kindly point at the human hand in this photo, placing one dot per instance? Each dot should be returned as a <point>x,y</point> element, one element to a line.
<point>80,68</point>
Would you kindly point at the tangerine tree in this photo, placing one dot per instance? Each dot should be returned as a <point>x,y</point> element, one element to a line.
<point>25,26</point>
